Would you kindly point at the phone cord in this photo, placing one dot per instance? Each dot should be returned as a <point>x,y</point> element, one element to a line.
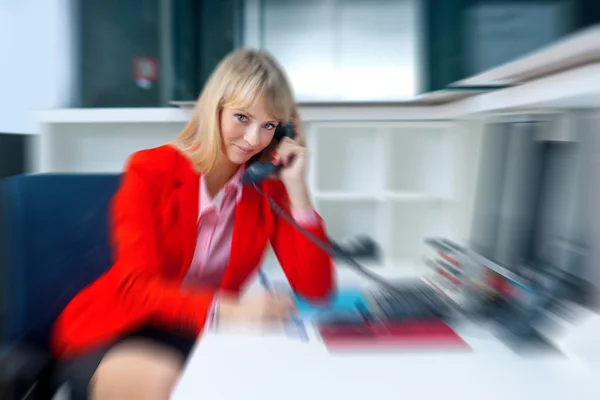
<point>332,251</point>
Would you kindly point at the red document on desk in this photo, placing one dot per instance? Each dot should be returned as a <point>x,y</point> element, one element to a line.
<point>425,334</point>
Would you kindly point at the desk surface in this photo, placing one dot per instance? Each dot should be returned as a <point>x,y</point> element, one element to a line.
<point>250,365</point>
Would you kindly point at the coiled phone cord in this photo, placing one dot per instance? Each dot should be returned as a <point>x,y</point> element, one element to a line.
<point>332,251</point>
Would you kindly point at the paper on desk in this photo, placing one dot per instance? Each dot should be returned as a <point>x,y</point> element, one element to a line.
<point>581,342</point>
<point>248,344</point>
<point>283,329</point>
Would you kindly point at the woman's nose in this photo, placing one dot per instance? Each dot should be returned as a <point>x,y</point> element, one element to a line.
<point>252,135</point>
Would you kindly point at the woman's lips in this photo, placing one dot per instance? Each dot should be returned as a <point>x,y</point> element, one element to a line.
<point>243,149</point>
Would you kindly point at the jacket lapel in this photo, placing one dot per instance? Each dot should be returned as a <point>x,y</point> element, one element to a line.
<point>247,243</point>
<point>187,195</point>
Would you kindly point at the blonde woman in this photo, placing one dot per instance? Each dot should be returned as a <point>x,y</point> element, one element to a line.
<point>188,236</point>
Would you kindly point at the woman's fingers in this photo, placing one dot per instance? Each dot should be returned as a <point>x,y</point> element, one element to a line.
<point>281,307</point>
<point>287,150</point>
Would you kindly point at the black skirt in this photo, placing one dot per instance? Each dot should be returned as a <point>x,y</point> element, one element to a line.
<point>79,371</point>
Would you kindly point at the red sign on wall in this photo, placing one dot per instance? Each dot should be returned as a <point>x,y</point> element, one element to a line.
<point>145,69</point>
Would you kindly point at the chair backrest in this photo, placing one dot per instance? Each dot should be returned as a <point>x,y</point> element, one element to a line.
<point>56,241</point>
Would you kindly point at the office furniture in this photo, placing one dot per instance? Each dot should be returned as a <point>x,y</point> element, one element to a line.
<point>13,151</point>
<point>56,242</point>
<point>273,367</point>
<point>110,75</point>
<point>12,154</point>
<point>535,190</point>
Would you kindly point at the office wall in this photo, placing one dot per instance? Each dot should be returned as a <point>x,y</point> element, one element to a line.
<point>36,60</point>
<point>588,215</point>
<point>498,32</point>
<point>220,25</point>
<point>462,37</point>
<point>184,40</point>
<point>114,36</point>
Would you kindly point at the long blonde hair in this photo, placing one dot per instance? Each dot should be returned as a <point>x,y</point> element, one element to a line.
<point>239,80</point>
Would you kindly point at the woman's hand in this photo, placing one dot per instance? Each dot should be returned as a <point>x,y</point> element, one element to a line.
<point>263,307</point>
<point>294,158</point>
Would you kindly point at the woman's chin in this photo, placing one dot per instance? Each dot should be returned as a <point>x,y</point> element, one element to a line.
<point>239,159</point>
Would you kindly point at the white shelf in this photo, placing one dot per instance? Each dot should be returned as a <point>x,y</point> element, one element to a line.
<point>343,125</point>
<point>112,115</point>
<point>573,88</point>
<point>346,196</point>
<point>387,195</point>
<point>353,158</point>
<point>394,181</point>
<point>415,197</point>
<point>568,52</point>
<point>421,161</point>
<point>91,147</point>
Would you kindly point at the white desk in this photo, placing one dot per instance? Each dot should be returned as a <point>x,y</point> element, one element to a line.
<point>249,366</point>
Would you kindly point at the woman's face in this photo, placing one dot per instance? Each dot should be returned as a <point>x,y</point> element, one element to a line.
<point>246,132</point>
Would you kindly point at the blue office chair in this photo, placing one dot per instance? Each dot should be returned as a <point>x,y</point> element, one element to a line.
<point>55,240</point>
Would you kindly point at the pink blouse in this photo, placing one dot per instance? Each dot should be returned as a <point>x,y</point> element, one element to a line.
<point>215,230</point>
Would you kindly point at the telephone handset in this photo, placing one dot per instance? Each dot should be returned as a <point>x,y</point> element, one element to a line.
<point>258,171</point>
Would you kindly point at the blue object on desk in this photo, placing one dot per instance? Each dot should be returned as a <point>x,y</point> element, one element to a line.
<point>344,301</point>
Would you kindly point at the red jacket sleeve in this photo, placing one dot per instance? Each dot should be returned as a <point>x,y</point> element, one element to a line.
<point>143,290</point>
<point>308,268</point>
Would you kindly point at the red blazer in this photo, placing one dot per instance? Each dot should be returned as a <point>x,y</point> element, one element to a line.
<point>154,220</point>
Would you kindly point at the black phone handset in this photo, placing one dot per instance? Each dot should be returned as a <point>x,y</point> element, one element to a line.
<point>258,171</point>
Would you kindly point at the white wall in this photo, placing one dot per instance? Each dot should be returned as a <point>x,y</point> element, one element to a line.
<point>36,60</point>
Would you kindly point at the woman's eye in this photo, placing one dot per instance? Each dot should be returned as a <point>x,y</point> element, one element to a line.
<point>241,117</point>
<point>269,126</point>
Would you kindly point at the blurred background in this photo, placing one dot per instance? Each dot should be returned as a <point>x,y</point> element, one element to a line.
<point>84,53</point>
<point>470,121</point>
<point>474,120</point>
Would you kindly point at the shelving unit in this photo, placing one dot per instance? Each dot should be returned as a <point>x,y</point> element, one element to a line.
<point>421,162</point>
<point>88,140</point>
<point>393,181</point>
